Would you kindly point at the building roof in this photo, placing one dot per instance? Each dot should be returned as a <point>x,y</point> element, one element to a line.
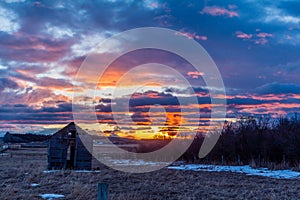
<point>71,127</point>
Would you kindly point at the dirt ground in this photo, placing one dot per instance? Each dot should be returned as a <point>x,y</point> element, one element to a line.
<point>26,167</point>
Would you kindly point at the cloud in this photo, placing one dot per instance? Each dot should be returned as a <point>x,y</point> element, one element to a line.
<point>141,118</point>
<point>58,32</point>
<point>153,4</point>
<point>9,21</point>
<point>54,83</point>
<point>262,38</point>
<point>116,1</point>
<point>195,74</point>
<point>31,115</point>
<point>3,67</point>
<point>32,49</point>
<point>278,88</point>
<point>277,15</point>
<point>289,69</point>
<point>199,91</point>
<point>219,11</point>
<point>6,83</point>
<point>14,1</point>
<point>242,35</point>
<point>281,13</point>
<point>264,35</point>
<point>152,98</point>
<point>258,38</point>
<point>194,35</point>
<point>89,43</point>
<point>30,96</point>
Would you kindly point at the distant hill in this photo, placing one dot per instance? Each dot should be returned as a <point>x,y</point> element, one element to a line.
<point>24,138</point>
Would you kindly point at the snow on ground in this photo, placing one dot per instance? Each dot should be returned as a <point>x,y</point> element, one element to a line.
<point>34,184</point>
<point>52,196</point>
<point>125,162</point>
<point>284,174</point>
<point>77,171</point>
<point>86,171</point>
<point>50,171</point>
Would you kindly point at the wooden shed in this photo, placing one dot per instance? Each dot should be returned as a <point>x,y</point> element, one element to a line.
<point>68,151</point>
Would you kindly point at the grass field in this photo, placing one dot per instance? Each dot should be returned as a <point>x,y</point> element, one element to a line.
<point>27,166</point>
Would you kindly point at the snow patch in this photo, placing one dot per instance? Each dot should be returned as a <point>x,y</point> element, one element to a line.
<point>52,196</point>
<point>79,171</point>
<point>34,184</point>
<point>50,171</point>
<point>278,174</point>
<point>124,162</point>
<point>86,171</point>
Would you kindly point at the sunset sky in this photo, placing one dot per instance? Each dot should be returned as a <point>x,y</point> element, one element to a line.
<point>255,45</point>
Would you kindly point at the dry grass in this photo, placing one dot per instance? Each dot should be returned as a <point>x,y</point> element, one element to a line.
<point>27,166</point>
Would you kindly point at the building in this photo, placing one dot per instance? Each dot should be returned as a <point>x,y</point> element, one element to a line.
<point>70,148</point>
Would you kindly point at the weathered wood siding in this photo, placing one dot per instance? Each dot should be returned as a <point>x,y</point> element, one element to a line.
<point>57,153</point>
<point>83,158</point>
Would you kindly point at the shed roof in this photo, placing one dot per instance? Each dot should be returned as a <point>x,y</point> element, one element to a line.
<point>70,128</point>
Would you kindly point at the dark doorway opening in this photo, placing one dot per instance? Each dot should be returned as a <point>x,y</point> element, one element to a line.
<point>71,150</point>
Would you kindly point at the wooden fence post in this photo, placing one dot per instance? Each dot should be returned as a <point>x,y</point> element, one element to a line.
<point>102,191</point>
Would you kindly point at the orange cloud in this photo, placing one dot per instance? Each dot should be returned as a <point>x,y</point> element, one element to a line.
<point>267,108</point>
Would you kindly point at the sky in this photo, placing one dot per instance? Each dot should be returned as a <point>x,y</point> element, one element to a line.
<point>255,45</point>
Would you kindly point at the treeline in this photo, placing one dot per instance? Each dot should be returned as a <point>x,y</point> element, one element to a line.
<point>257,141</point>
<point>24,138</point>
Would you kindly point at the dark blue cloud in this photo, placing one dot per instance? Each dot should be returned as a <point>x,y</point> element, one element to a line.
<point>30,115</point>
<point>278,88</point>
<point>7,83</point>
